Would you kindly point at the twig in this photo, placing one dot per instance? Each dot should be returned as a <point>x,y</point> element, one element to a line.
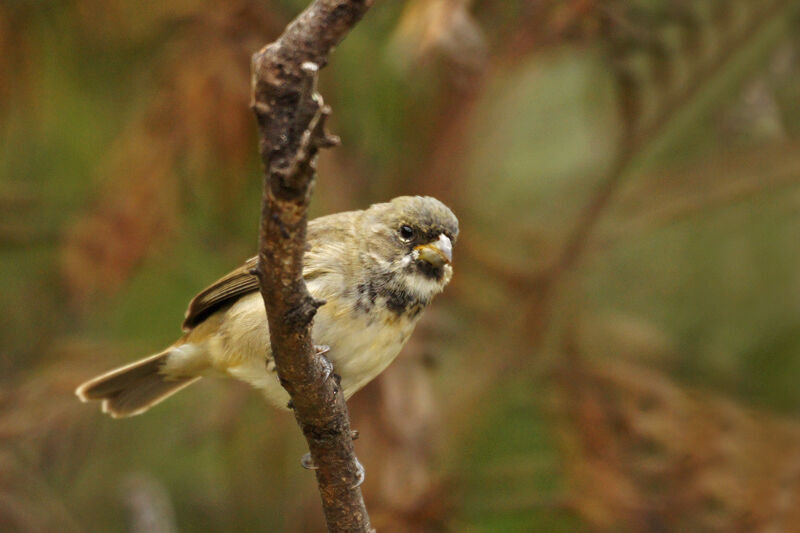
<point>291,118</point>
<point>636,138</point>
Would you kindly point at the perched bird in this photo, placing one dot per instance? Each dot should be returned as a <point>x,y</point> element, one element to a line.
<point>377,270</point>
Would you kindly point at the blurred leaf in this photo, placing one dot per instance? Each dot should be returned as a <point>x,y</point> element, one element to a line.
<point>646,453</point>
<point>198,120</point>
<point>444,27</point>
<point>653,140</point>
<point>718,182</point>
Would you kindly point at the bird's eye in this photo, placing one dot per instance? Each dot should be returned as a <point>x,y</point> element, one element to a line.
<point>406,232</point>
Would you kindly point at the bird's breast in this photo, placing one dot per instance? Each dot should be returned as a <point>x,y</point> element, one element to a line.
<point>363,340</point>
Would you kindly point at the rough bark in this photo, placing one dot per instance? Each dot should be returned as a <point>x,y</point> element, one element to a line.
<point>291,118</point>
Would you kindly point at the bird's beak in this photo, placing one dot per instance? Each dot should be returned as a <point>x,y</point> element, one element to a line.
<point>438,253</point>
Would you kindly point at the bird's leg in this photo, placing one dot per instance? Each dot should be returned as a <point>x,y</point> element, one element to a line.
<point>321,350</point>
<point>360,474</point>
<point>308,463</point>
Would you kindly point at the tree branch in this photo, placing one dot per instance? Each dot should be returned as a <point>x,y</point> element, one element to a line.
<point>291,119</point>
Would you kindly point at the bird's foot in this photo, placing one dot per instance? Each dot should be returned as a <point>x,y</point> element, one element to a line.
<point>321,350</point>
<point>360,474</point>
<point>308,463</point>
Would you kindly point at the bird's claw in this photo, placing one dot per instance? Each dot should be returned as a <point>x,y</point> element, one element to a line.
<point>321,350</point>
<point>360,474</point>
<point>307,462</point>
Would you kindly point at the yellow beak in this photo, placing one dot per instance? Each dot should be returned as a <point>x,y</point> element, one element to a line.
<point>438,253</point>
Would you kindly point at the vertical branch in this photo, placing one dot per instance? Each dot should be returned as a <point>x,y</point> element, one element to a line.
<point>291,118</point>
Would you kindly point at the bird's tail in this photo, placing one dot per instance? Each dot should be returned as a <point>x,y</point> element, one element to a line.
<point>133,389</point>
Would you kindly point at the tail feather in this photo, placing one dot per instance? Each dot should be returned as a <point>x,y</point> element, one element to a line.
<point>134,388</point>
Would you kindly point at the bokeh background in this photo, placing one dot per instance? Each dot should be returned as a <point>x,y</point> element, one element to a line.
<point>619,349</point>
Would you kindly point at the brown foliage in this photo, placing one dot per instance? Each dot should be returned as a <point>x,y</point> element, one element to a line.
<point>649,454</point>
<point>400,427</point>
<point>199,121</point>
<point>641,451</point>
<point>43,429</point>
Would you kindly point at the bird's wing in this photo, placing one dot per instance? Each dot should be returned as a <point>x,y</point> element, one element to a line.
<point>224,291</point>
<point>325,255</point>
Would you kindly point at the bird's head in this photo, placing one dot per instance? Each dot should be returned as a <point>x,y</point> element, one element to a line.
<point>411,242</point>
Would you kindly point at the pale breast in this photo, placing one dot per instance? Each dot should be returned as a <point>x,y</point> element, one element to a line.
<point>363,341</point>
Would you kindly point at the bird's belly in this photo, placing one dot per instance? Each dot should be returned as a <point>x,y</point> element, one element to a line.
<point>363,344</point>
<point>241,349</point>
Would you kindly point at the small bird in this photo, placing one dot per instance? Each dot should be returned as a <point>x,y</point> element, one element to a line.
<point>377,269</point>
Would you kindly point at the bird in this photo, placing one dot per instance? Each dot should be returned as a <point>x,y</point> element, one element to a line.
<point>377,270</point>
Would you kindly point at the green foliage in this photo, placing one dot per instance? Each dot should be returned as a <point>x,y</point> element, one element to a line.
<point>690,268</point>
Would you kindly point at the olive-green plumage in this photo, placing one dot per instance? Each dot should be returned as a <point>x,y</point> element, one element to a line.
<point>377,270</point>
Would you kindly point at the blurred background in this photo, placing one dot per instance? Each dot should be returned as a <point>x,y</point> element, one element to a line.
<point>619,349</point>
